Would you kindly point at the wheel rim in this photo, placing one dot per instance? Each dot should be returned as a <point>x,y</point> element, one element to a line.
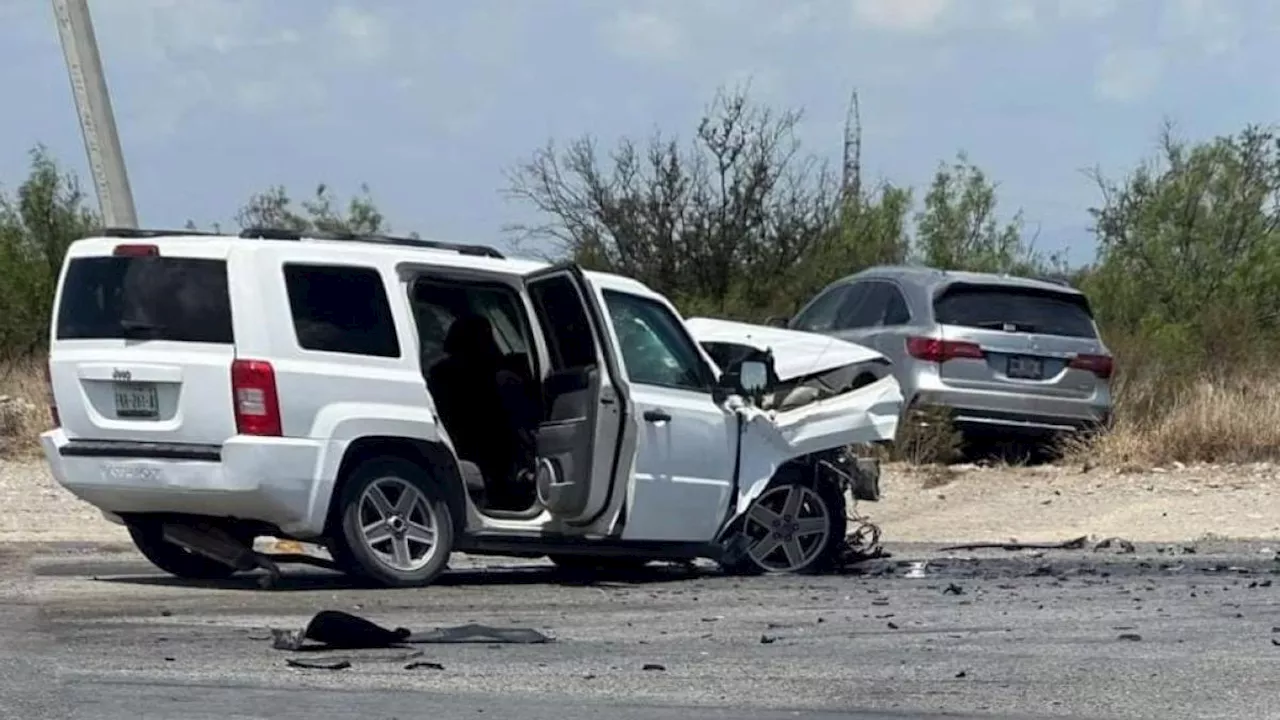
<point>397,524</point>
<point>786,528</point>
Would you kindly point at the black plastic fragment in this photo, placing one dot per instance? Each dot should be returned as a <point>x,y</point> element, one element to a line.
<point>339,664</point>
<point>334,629</point>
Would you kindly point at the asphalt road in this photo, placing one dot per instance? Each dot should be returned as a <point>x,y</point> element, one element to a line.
<point>985,634</point>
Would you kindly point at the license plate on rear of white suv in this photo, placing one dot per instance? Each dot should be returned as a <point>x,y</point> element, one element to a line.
<point>1025,368</point>
<point>137,400</point>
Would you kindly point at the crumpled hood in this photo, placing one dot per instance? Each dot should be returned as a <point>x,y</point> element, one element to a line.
<point>831,418</point>
<point>795,353</point>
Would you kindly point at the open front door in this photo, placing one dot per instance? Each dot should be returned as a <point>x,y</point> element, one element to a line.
<point>582,434</point>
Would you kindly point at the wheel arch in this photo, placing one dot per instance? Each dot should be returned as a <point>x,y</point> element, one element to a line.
<point>802,470</point>
<point>434,457</point>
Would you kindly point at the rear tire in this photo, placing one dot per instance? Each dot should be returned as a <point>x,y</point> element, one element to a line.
<point>175,559</point>
<point>394,527</point>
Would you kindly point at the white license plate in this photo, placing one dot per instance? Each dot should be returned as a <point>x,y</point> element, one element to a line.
<point>137,400</point>
<point>1026,368</point>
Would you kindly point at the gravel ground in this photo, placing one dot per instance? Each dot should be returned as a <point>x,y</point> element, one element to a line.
<point>973,504</point>
<point>1184,627</point>
<point>1154,634</point>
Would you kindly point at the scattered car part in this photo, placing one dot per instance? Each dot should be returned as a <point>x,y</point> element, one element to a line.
<point>1073,544</point>
<point>334,629</point>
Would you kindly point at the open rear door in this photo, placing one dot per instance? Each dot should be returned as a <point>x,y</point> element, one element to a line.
<point>581,439</point>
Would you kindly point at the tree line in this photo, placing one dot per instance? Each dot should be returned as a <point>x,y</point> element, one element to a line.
<point>737,219</point>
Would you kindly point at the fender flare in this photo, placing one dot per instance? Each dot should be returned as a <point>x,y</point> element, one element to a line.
<point>343,424</point>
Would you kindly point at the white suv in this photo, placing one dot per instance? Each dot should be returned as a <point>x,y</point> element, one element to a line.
<point>396,400</point>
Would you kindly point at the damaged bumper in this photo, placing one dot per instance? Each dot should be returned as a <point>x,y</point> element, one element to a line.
<point>826,394</point>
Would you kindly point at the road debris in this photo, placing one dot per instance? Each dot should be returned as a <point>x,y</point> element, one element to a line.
<point>861,542</point>
<point>1130,637</point>
<point>341,664</point>
<point>337,629</point>
<point>424,664</point>
<point>1120,545</point>
<point>1073,544</point>
<point>654,667</point>
<point>917,569</point>
<point>334,629</point>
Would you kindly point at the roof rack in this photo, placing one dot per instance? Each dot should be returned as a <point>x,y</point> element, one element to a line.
<point>142,233</point>
<point>268,233</point>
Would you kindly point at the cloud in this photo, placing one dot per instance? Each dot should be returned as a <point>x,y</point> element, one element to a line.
<point>643,35</point>
<point>1212,25</point>
<point>362,34</point>
<point>913,16</point>
<point>1087,10</point>
<point>1018,14</point>
<point>1129,74</point>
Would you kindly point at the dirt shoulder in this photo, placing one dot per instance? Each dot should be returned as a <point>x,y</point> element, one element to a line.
<point>972,505</point>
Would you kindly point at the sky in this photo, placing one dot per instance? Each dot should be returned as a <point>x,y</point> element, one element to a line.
<point>431,102</point>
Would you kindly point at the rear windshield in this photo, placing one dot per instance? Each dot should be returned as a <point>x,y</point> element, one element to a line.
<point>146,298</point>
<point>1015,310</point>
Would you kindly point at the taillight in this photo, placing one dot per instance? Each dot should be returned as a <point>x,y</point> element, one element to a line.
<point>253,386</point>
<point>935,350</point>
<point>1101,365</point>
<point>136,250</point>
<point>53,403</point>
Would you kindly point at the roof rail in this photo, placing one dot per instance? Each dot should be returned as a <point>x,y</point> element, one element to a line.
<point>140,233</point>
<point>265,233</point>
<point>1056,280</point>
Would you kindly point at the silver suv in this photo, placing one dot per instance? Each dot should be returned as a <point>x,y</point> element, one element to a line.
<point>1002,354</point>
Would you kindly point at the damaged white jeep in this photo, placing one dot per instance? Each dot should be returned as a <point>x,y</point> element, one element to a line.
<point>396,400</point>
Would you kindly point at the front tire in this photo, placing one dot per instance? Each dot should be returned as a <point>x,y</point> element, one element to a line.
<point>175,559</point>
<point>395,528</point>
<point>793,527</point>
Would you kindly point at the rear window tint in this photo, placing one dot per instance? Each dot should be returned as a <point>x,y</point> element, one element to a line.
<point>146,298</point>
<point>341,310</point>
<point>1015,310</point>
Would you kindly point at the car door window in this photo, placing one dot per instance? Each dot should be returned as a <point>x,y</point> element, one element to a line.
<point>655,348</point>
<point>862,308</point>
<point>896,311</point>
<point>820,316</point>
<point>564,321</point>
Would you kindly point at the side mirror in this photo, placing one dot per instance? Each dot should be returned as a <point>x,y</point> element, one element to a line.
<point>753,376</point>
<point>748,377</point>
<point>778,321</point>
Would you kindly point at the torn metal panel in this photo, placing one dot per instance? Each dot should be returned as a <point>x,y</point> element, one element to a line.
<point>796,353</point>
<point>868,414</point>
<point>826,394</point>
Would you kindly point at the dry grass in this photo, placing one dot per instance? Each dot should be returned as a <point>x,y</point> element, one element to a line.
<point>1234,418</point>
<point>928,437</point>
<point>24,411</point>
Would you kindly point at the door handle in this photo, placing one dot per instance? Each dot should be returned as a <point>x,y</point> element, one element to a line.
<point>657,416</point>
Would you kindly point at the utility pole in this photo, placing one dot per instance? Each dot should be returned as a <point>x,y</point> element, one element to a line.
<point>93,105</point>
